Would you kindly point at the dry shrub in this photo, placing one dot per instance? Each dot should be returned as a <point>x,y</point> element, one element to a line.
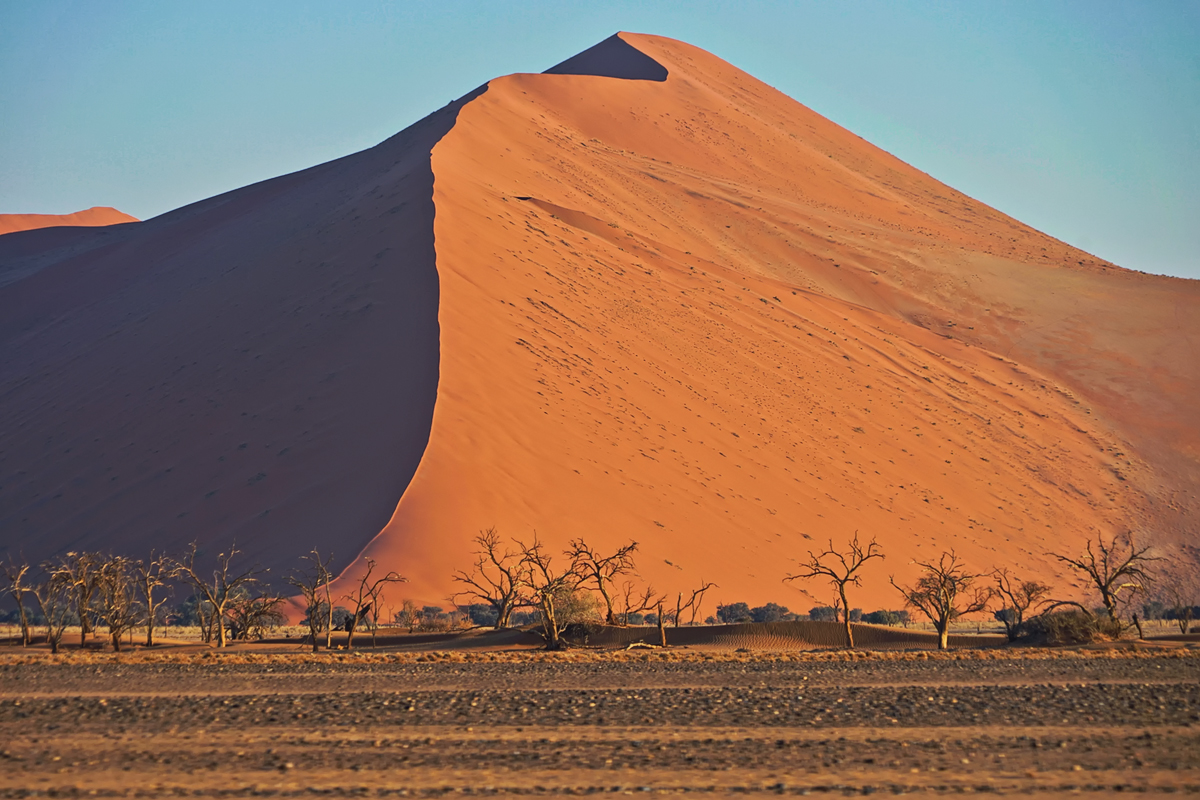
<point>1069,627</point>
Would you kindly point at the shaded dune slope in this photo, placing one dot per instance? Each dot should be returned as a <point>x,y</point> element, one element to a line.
<point>696,314</point>
<point>95,216</point>
<point>260,366</point>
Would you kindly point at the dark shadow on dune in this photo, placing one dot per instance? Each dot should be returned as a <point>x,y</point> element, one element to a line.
<point>801,635</point>
<point>261,365</point>
<point>612,58</point>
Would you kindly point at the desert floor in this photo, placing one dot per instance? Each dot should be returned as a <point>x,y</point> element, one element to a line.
<point>1037,722</point>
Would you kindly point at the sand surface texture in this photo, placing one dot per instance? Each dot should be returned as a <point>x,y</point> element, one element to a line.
<point>1049,727</point>
<point>644,296</point>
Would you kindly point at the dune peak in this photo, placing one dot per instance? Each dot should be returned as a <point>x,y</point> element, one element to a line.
<point>612,58</point>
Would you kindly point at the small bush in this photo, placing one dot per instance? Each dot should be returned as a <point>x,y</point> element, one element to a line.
<point>480,614</point>
<point>1069,627</point>
<point>771,612</point>
<point>734,612</point>
<point>882,617</point>
<point>823,614</point>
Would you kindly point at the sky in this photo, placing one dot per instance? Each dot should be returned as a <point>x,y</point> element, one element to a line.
<point>1081,119</point>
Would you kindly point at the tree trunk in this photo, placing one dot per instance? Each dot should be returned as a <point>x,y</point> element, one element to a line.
<point>846,616</point>
<point>943,630</point>
<point>27,637</point>
<point>220,618</point>
<point>662,631</point>
<point>550,624</point>
<point>116,641</point>
<point>329,621</point>
<point>609,617</point>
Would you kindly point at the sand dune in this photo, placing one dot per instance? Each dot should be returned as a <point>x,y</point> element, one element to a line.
<point>91,217</point>
<point>672,305</point>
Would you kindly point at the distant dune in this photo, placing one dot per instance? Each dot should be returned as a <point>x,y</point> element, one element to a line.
<point>644,296</point>
<point>89,218</point>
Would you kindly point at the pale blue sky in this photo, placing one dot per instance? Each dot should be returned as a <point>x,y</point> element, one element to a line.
<point>1079,118</point>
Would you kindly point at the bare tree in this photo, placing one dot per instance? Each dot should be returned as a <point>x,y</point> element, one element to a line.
<point>55,598</point>
<point>364,597</point>
<point>375,591</point>
<point>1181,594</point>
<point>692,605</point>
<point>494,578</point>
<point>602,570</point>
<point>310,582</point>
<point>409,616</point>
<point>253,616</point>
<point>546,584</point>
<point>944,592</point>
<point>1117,569</point>
<point>15,584</point>
<point>83,570</point>
<point>632,602</point>
<point>117,596</point>
<point>150,575</point>
<point>223,587</point>
<point>840,569</point>
<point>1018,598</point>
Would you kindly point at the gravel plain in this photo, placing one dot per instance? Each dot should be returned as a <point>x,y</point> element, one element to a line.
<point>838,724</point>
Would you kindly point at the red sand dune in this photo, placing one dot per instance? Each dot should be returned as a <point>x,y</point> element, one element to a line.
<point>672,305</point>
<point>89,218</point>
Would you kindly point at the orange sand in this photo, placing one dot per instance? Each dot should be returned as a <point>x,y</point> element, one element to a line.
<point>90,218</point>
<point>689,312</point>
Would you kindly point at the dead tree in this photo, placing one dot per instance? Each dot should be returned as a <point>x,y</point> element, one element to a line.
<point>1018,598</point>
<point>55,598</point>
<point>632,602</point>
<point>16,586</point>
<point>364,597</point>
<point>662,630</point>
<point>253,616</point>
<point>222,589</point>
<point>83,570</point>
<point>692,604</point>
<point>546,584</point>
<point>601,570</point>
<point>840,569</point>
<point>375,591</point>
<point>117,595</point>
<point>1117,569</point>
<point>1181,595</point>
<point>944,592</point>
<point>494,578</point>
<point>311,582</point>
<point>150,575</point>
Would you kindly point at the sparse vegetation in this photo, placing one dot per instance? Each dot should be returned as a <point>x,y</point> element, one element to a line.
<point>840,568</point>
<point>1020,600</point>
<point>944,592</point>
<point>1118,570</point>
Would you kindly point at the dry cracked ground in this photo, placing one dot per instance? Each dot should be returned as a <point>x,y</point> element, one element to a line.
<point>1091,725</point>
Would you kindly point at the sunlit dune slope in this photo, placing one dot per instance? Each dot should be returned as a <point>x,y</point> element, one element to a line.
<point>642,296</point>
<point>696,314</point>
<point>91,217</point>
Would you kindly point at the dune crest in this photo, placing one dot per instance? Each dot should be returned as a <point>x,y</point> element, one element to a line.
<point>639,296</point>
<point>90,217</point>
